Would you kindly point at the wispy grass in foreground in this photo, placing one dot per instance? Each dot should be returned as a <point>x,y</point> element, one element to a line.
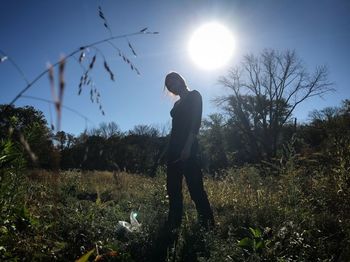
<point>297,216</point>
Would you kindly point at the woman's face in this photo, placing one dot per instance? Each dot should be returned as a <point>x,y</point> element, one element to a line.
<point>174,86</point>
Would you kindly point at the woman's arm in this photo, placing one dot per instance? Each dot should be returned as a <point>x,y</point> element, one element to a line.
<point>196,118</point>
<point>186,152</point>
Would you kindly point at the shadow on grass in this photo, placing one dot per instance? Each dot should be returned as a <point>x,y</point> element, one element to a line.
<point>183,244</point>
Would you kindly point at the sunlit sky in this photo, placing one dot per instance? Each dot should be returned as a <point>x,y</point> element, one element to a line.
<point>34,33</point>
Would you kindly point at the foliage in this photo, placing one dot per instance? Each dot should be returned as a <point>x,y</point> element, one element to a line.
<point>294,207</point>
<point>27,128</point>
<point>253,243</point>
<point>13,213</point>
<point>107,148</point>
<point>264,92</point>
<point>213,143</point>
<point>296,215</point>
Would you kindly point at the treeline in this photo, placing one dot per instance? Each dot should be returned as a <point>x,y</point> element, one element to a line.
<point>255,125</point>
<point>322,139</point>
<point>223,142</point>
<point>139,150</point>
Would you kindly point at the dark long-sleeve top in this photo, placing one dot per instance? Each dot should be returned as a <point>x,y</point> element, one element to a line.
<point>186,118</point>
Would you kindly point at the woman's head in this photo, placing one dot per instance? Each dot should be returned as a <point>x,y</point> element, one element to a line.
<point>175,83</point>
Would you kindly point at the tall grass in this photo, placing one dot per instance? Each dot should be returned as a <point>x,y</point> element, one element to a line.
<point>295,216</point>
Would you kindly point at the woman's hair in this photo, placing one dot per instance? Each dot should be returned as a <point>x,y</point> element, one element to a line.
<point>176,76</point>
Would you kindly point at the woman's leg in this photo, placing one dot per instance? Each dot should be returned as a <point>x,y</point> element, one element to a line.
<point>174,189</point>
<point>194,180</point>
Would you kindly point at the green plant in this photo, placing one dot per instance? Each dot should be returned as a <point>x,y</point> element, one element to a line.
<point>254,243</point>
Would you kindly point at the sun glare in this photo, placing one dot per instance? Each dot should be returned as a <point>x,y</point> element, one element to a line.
<point>211,46</point>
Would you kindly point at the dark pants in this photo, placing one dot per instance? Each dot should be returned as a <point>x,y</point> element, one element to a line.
<point>194,179</point>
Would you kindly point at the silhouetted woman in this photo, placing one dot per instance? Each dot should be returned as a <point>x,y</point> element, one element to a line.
<point>182,153</point>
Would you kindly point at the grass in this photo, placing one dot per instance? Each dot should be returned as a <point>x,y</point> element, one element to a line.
<point>295,216</point>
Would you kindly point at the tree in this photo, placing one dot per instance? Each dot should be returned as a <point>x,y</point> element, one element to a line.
<point>212,138</point>
<point>265,90</point>
<point>144,130</point>
<point>28,128</point>
<point>61,138</point>
<point>107,130</point>
<point>327,137</point>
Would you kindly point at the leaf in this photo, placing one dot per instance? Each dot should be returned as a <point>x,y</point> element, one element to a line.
<point>86,256</point>
<point>91,96</point>
<point>85,78</point>
<point>101,15</point>
<point>256,232</point>
<point>260,245</point>
<point>132,49</point>
<point>246,242</point>
<point>106,66</point>
<point>81,81</point>
<point>92,62</point>
<point>108,70</point>
<point>143,30</point>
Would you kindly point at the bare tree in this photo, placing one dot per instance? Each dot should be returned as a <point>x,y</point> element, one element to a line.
<point>266,89</point>
<point>106,130</point>
<point>144,130</point>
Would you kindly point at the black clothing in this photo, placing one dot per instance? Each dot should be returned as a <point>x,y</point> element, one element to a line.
<point>186,114</point>
<point>194,180</point>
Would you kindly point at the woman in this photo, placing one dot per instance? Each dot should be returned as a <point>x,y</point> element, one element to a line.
<point>182,153</point>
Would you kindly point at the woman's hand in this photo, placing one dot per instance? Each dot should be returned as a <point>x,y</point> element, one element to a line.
<point>186,152</point>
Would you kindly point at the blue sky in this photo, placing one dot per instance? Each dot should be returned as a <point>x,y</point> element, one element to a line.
<point>33,33</point>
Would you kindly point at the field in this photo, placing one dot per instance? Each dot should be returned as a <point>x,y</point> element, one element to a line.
<point>293,215</point>
<point>259,98</point>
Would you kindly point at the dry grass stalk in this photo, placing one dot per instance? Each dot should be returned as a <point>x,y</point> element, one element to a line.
<point>102,16</point>
<point>84,79</point>
<point>26,146</point>
<point>58,100</point>
<point>108,70</point>
<point>132,49</point>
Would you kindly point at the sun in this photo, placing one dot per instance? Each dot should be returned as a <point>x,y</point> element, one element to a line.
<point>211,46</point>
